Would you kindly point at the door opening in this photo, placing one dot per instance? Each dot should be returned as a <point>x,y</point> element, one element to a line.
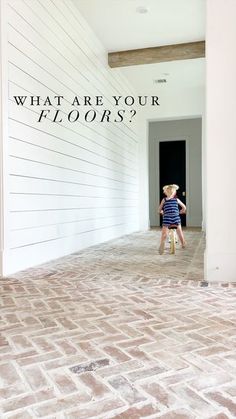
<point>172,166</point>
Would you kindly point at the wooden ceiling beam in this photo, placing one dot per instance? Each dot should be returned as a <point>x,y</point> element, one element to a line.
<point>153,55</point>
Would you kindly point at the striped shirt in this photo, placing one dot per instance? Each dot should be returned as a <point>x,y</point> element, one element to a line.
<point>171,212</point>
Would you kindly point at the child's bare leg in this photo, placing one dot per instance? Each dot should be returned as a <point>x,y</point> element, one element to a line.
<point>181,236</point>
<point>163,239</point>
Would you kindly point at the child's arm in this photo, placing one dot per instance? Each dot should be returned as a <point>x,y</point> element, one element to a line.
<point>181,204</point>
<point>161,206</point>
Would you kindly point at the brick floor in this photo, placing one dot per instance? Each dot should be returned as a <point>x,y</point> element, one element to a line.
<point>118,331</point>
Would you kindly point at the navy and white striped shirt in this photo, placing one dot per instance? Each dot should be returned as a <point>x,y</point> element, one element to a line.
<point>171,212</point>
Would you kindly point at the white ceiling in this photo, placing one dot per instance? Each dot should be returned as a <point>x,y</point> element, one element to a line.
<point>185,74</point>
<point>119,27</point>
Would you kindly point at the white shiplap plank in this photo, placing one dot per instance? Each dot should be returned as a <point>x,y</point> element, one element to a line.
<point>31,168</point>
<point>33,219</point>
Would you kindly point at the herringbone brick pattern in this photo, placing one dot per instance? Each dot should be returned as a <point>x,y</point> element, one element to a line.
<point>118,331</point>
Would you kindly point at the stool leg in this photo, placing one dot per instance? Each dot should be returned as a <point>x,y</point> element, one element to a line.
<point>172,243</point>
<point>175,240</point>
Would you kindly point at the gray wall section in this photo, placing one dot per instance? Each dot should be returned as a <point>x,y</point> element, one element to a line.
<point>184,129</point>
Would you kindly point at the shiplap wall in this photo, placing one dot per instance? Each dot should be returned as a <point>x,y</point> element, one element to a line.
<point>71,185</point>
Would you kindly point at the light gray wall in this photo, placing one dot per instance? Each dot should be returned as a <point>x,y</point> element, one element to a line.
<point>184,129</point>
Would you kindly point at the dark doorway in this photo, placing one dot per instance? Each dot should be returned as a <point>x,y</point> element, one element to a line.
<point>172,163</point>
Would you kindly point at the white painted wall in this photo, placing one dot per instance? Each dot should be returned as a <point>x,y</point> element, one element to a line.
<point>220,260</point>
<point>189,130</point>
<point>3,135</point>
<point>70,185</point>
<point>1,146</point>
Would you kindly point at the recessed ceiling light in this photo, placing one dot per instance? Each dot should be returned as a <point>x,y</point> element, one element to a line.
<point>142,9</point>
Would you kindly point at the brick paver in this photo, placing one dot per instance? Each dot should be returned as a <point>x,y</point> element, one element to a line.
<point>118,331</point>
